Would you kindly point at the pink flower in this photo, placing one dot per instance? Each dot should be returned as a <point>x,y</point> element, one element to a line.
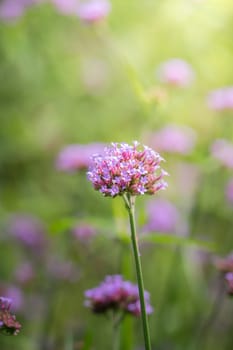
<point>221,99</point>
<point>127,169</point>
<point>93,10</point>
<point>176,72</point>
<point>24,272</point>
<point>15,294</point>
<point>28,230</point>
<point>8,323</point>
<point>229,191</point>
<point>117,295</point>
<point>222,150</point>
<point>174,139</point>
<point>84,232</point>
<point>11,10</point>
<point>163,216</point>
<point>75,157</point>
<point>66,7</point>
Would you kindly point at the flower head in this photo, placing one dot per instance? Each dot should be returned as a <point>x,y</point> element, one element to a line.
<point>28,230</point>
<point>84,231</point>
<point>8,323</point>
<point>176,72</point>
<point>222,150</point>
<point>93,10</point>
<point>163,216</point>
<point>66,7</point>
<point>76,157</point>
<point>174,139</point>
<point>221,99</point>
<point>127,169</point>
<point>118,295</point>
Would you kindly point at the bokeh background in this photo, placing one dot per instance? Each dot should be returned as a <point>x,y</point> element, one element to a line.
<point>159,72</point>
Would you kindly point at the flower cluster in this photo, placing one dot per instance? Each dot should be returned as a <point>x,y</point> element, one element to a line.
<point>127,169</point>
<point>93,10</point>
<point>84,232</point>
<point>13,9</point>
<point>8,323</point>
<point>163,216</point>
<point>174,139</point>
<point>76,157</point>
<point>66,7</point>
<point>28,230</point>
<point>222,150</point>
<point>221,99</point>
<point>118,295</point>
<point>176,72</point>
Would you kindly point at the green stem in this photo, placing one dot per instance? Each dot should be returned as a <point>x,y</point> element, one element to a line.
<point>129,201</point>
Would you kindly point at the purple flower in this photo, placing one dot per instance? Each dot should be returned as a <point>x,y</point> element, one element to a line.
<point>66,7</point>
<point>118,295</point>
<point>163,216</point>
<point>76,157</point>
<point>11,10</point>
<point>174,139</point>
<point>15,294</point>
<point>127,169</point>
<point>229,191</point>
<point>222,150</point>
<point>84,231</point>
<point>176,72</point>
<point>221,99</point>
<point>5,303</point>
<point>24,273</point>
<point>8,323</point>
<point>92,11</point>
<point>28,230</point>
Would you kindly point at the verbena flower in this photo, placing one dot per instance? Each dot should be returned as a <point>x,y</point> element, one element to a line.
<point>127,169</point>
<point>93,10</point>
<point>163,216</point>
<point>222,150</point>
<point>221,99</point>
<point>118,295</point>
<point>24,273</point>
<point>176,72</point>
<point>66,7</point>
<point>174,139</point>
<point>8,323</point>
<point>76,157</point>
<point>84,232</point>
<point>11,10</point>
<point>28,230</point>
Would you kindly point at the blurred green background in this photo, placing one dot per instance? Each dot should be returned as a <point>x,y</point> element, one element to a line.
<point>66,81</point>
